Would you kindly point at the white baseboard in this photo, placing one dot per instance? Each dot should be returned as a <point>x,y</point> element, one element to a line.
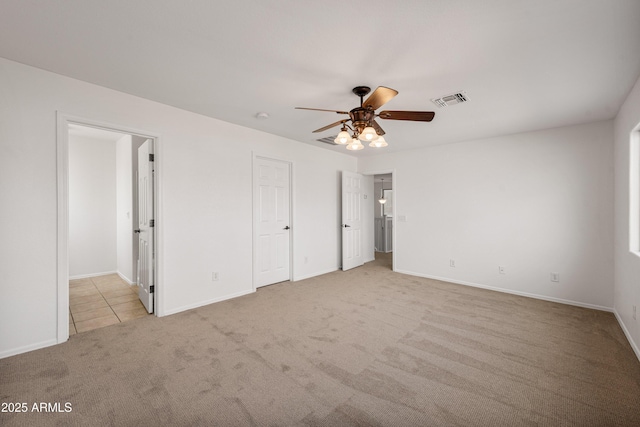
<point>85,276</point>
<point>203,303</point>
<point>104,273</point>
<point>27,348</point>
<point>634,346</point>
<point>318,273</point>
<point>509,291</point>
<point>126,279</point>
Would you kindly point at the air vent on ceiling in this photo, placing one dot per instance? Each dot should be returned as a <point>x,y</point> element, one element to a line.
<point>449,100</point>
<point>328,140</point>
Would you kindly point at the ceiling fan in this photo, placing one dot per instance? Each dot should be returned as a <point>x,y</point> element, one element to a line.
<point>363,124</point>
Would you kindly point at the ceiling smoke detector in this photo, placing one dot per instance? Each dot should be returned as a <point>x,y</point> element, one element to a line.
<point>449,100</point>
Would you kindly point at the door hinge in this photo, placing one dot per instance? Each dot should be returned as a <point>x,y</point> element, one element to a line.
<point>152,289</point>
<point>152,223</point>
<point>151,157</point>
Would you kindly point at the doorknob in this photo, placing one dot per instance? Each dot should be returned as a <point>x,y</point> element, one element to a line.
<point>136,231</point>
<point>346,225</point>
<point>286,228</point>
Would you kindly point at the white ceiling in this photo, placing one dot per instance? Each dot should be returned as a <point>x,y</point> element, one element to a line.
<point>525,65</point>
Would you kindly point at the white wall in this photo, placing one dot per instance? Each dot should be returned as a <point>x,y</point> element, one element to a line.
<point>627,265</point>
<point>124,208</point>
<point>204,215</point>
<point>534,203</point>
<point>92,207</point>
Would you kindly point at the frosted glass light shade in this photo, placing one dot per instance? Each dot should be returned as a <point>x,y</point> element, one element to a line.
<point>378,143</point>
<point>355,145</point>
<point>343,138</point>
<point>382,201</point>
<point>368,134</point>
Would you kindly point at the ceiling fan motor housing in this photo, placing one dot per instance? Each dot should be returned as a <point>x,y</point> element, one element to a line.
<point>361,117</point>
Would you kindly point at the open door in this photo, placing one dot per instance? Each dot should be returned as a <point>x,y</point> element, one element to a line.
<point>145,225</point>
<point>351,220</point>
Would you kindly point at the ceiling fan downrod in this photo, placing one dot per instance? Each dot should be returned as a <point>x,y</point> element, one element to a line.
<point>361,91</point>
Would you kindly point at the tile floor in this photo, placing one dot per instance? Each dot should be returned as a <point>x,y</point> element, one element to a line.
<point>101,301</point>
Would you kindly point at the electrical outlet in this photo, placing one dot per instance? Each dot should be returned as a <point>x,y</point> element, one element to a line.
<point>634,312</point>
<point>555,277</point>
<point>501,270</point>
<point>214,276</point>
<point>452,263</point>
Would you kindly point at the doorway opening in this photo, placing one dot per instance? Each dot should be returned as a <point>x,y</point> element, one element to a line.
<point>383,217</point>
<point>380,218</point>
<point>106,219</point>
<point>367,225</point>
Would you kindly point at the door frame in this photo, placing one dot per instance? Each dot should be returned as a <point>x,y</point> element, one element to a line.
<point>63,120</point>
<point>394,186</point>
<point>254,244</point>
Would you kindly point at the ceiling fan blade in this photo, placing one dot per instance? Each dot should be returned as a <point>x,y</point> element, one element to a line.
<point>379,97</point>
<point>320,109</point>
<point>415,116</point>
<point>339,122</point>
<point>377,127</point>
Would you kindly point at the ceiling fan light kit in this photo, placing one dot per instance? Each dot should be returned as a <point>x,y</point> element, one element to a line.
<point>379,142</point>
<point>355,145</point>
<point>363,123</point>
<point>343,137</point>
<point>368,134</point>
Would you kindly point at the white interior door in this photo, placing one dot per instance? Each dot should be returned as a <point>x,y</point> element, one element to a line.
<point>145,225</point>
<point>351,220</point>
<point>271,204</point>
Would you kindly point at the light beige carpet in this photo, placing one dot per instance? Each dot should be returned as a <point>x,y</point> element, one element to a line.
<point>363,347</point>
